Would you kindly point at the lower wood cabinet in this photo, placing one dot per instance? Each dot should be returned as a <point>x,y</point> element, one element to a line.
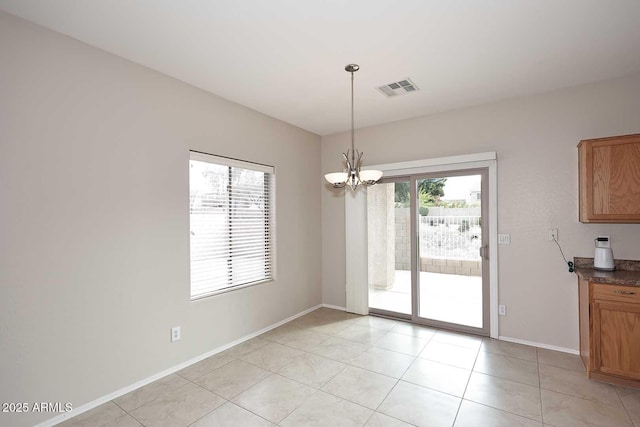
<point>610,332</point>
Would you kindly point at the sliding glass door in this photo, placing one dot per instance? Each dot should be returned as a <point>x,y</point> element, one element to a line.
<point>427,249</point>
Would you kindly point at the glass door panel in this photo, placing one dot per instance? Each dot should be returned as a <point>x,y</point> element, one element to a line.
<point>450,237</point>
<point>389,248</point>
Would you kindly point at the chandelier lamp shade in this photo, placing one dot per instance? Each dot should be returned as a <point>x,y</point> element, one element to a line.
<point>352,176</point>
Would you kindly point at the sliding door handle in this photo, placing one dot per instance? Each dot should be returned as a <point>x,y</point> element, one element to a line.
<point>484,253</point>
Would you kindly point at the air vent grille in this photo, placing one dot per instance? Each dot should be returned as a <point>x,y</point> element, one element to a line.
<point>398,88</point>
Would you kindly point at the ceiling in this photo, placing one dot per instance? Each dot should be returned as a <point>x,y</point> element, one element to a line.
<point>286,58</point>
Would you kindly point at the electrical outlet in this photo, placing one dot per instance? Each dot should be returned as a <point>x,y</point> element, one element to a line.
<point>175,333</point>
<point>502,310</point>
<point>553,234</point>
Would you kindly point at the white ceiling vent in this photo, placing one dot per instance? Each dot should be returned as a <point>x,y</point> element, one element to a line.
<point>398,88</point>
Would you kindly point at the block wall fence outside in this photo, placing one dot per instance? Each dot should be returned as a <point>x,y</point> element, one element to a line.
<point>432,265</point>
<point>451,266</point>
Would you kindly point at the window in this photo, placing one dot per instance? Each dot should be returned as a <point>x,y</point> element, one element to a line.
<point>231,219</point>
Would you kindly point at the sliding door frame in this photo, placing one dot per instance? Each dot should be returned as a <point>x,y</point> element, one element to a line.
<point>418,167</point>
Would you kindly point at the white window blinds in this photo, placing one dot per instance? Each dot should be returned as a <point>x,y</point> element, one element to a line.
<point>231,219</point>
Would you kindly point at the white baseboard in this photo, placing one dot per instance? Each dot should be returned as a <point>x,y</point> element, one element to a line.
<point>104,399</point>
<point>334,307</point>
<point>539,344</point>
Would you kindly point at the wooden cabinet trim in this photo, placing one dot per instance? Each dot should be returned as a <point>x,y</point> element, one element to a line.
<point>612,140</point>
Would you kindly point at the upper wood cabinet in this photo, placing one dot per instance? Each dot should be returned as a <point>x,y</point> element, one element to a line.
<point>609,171</point>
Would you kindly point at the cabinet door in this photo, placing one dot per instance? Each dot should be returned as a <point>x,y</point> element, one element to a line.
<point>610,179</point>
<point>617,338</point>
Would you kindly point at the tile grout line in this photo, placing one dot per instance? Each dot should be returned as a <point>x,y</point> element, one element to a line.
<point>163,393</point>
<point>588,400</point>
<point>127,412</point>
<point>269,421</point>
<point>258,415</point>
<point>462,399</point>
<point>512,380</point>
<point>506,412</point>
<point>114,402</point>
<point>208,413</point>
<point>175,388</point>
<point>387,395</point>
<point>415,358</point>
<point>505,379</point>
<point>137,420</point>
<point>369,419</point>
<point>624,406</point>
<point>271,373</point>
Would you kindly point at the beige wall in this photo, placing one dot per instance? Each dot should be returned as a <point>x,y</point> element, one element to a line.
<point>535,139</point>
<point>94,229</point>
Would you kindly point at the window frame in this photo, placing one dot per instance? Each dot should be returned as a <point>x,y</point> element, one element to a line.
<point>270,191</point>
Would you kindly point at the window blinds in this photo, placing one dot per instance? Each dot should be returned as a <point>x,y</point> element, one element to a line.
<point>231,221</point>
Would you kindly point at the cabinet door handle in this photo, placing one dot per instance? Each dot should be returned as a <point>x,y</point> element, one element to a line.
<point>624,292</point>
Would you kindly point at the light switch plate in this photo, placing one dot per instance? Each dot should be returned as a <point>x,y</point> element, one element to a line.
<point>504,239</point>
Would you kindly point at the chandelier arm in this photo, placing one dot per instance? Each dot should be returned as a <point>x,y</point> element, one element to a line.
<point>357,164</point>
<point>348,161</point>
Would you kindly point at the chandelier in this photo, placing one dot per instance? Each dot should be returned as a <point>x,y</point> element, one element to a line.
<point>352,175</point>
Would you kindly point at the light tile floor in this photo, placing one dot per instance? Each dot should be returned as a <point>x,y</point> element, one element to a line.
<point>330,368</point>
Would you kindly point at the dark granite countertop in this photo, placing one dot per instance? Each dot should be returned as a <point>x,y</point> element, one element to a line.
<point>627,272</point>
